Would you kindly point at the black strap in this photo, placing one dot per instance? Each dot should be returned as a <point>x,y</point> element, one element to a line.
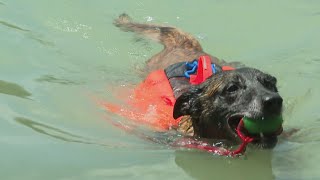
<point>176,70</point>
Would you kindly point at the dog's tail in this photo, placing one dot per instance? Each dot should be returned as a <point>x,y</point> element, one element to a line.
<point>170,37</point>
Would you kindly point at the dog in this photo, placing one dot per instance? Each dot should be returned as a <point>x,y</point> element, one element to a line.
<point>211,109</point>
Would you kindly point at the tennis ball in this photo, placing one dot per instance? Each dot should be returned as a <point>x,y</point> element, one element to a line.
<point>265,126</point>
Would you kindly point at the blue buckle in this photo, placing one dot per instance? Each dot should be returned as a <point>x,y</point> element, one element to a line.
<point>213,66</point>
<point>191,68</point>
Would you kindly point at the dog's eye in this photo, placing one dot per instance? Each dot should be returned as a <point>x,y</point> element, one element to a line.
<point>232,88</point>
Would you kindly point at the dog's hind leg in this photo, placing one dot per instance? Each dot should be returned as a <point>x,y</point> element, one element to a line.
<point>178,45</point>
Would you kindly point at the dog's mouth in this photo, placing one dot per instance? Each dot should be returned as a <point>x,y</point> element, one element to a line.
<point>261,140</point>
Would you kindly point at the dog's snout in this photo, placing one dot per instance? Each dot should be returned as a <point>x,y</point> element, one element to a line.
<point>272,103</point>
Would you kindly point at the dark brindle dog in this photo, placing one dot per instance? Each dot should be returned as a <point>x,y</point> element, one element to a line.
<point>214,108</point>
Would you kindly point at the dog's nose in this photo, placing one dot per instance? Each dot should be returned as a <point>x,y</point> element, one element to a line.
<point>273,103</point>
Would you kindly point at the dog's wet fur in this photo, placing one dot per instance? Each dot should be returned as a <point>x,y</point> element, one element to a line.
<point>212,109</point>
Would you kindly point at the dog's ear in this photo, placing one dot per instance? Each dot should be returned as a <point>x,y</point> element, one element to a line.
<point>185,102</point>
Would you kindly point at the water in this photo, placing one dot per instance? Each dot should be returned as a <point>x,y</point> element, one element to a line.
<point>59,57</point>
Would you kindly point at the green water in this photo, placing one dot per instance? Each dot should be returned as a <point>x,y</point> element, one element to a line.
<point>57,58</point>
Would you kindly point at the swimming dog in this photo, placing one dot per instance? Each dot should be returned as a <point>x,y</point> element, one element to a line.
<point>211,109</point>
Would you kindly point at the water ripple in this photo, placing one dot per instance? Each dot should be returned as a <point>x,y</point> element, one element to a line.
<point>28,33</point>
<point>52,79</point>
<point>9,25</point>
<point>40,40</point>
<point>62,135</point>
<point>13,89</point>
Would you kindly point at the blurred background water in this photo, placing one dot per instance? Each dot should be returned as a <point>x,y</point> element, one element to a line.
<point>58,57</point>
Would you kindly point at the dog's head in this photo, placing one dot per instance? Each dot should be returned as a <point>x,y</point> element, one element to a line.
<point>217,105</point>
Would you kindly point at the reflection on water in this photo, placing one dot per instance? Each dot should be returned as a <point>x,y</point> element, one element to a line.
<point>60,134</point>
<point>13,89</point>
<point>204,166</point>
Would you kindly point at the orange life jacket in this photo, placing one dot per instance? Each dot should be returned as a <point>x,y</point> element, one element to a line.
<point>151,103</point>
